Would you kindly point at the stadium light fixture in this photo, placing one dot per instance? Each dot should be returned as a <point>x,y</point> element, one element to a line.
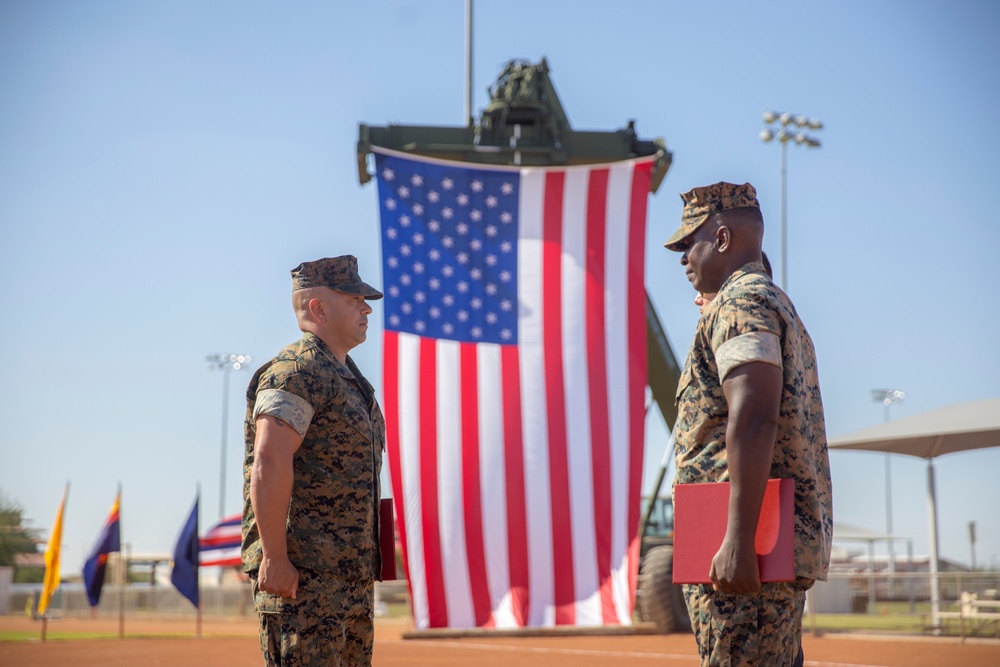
<point>784,134</point>
<point>225,363</point>
<point>889,398</point>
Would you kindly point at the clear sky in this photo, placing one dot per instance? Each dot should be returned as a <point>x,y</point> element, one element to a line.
<point>164,164</point>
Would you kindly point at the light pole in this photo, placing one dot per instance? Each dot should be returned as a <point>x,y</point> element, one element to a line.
<point>888,398</point>
<point>225,363</point>
<point>784,134</point>
<point>972,543</point>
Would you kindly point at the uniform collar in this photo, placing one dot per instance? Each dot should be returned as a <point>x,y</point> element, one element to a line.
<point>343,369</point>
<point>748,268</point>
<point>348,371</point>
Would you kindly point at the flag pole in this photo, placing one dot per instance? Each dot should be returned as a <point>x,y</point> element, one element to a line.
<point>197,565</point>
<point>123,559</point>
<point>468,63</point>
<point>52,564</point>
<point>184,575</point>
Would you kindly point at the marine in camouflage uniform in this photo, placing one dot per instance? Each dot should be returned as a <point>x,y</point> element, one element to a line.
<point>331,528</point>
<point>751,320</point>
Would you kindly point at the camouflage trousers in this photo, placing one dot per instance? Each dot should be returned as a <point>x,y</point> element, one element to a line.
<point>762,630</point>
<point>315,630</point>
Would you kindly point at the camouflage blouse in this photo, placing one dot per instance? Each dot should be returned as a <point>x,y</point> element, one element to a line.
<point>333,514</point>
<point>749,303</point>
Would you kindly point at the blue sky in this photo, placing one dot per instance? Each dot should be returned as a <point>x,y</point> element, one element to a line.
<point>164,165</point>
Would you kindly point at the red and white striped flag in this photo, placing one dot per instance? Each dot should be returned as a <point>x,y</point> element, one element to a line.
<point>221,544</point>
<point>514,386</point>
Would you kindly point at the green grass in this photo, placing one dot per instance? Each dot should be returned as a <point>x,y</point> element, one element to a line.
<point>896,617</point>
<point>396,610</point>
<point>873,622</point>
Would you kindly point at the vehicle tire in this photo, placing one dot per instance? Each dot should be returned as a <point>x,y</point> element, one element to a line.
<point>659,600</point>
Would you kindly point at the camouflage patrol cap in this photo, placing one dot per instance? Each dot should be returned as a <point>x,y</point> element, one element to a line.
<point>701,203</point>
<point>338,273</point>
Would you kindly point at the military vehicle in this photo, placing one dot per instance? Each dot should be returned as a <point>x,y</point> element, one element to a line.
<point>525,125</point>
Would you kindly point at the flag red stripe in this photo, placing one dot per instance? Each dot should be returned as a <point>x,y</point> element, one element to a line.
<point>517,520</point>
<point>597,380</point>
<point>436,600</point>
<point>390,396</point>
<point>471,488</point>
<point>637,356</point>
<point>219,542</point>
<point>221,562</point>
<point>555,398</point>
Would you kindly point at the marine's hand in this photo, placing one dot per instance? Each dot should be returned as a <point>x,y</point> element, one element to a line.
<point>278,577</point>
<point>735,569</point>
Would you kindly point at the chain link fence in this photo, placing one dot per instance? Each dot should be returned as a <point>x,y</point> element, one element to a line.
<point>877,601</point>
<point>861,601</point>
<point>225,600</point>
<point>69,601</point>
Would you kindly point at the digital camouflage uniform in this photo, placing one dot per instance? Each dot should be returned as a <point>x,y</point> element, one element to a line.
<point>762,629</point>
<point>332,526</point>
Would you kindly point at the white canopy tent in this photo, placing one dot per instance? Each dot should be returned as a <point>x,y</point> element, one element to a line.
<point>956,428</point>
<point>844,532</point>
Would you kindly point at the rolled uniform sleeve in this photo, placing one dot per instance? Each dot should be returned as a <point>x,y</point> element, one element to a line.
<point>754,346</point>
<point>292,392</point>
<point>286,406</point>
<point>747,329</point>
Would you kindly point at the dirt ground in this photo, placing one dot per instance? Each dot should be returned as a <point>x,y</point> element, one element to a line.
<point>233,642</point>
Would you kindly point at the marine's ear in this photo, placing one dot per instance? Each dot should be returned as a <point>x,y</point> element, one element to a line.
<point>723,238</point>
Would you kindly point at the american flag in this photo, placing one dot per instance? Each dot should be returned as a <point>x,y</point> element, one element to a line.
<point>221,544</point>
<point>514,386</point>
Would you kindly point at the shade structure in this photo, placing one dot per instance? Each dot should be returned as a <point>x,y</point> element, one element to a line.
<point>955,428</point>
<point>843,532</point>
<point>850,533</point>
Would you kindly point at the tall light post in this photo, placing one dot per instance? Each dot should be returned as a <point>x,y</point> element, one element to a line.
<point>784,134</point>
<point>972,543</point>
<point>888,398</point>
<point>225,363</point>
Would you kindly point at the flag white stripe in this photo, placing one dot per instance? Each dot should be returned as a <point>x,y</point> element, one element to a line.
<point>577,401</point>
<point>616,333</point>
<point>493,481</point>
<point>451,522</point>
<point>409,452</point>
<point>227,556</point>
<point>533,400</point>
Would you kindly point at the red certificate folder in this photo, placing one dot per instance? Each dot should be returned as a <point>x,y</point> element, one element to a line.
<point>700,515</point>
<point>387,539</point>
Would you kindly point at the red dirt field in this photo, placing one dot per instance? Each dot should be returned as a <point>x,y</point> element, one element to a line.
<point>233,642</point>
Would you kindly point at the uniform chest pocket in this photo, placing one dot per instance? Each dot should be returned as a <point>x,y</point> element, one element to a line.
<point>686,381</point>
<point>349,413</point>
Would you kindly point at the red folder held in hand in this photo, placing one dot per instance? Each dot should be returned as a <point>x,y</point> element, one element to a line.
<point>387,539</point>
<point>700,515</point>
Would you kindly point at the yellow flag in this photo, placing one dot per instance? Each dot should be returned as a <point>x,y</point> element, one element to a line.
<point>51,582</point>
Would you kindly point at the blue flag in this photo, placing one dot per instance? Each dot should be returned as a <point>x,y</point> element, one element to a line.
<point>184,576</point>
<point>107,542</point>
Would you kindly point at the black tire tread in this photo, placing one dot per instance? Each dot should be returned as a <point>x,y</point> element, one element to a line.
<point>660,601</point>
